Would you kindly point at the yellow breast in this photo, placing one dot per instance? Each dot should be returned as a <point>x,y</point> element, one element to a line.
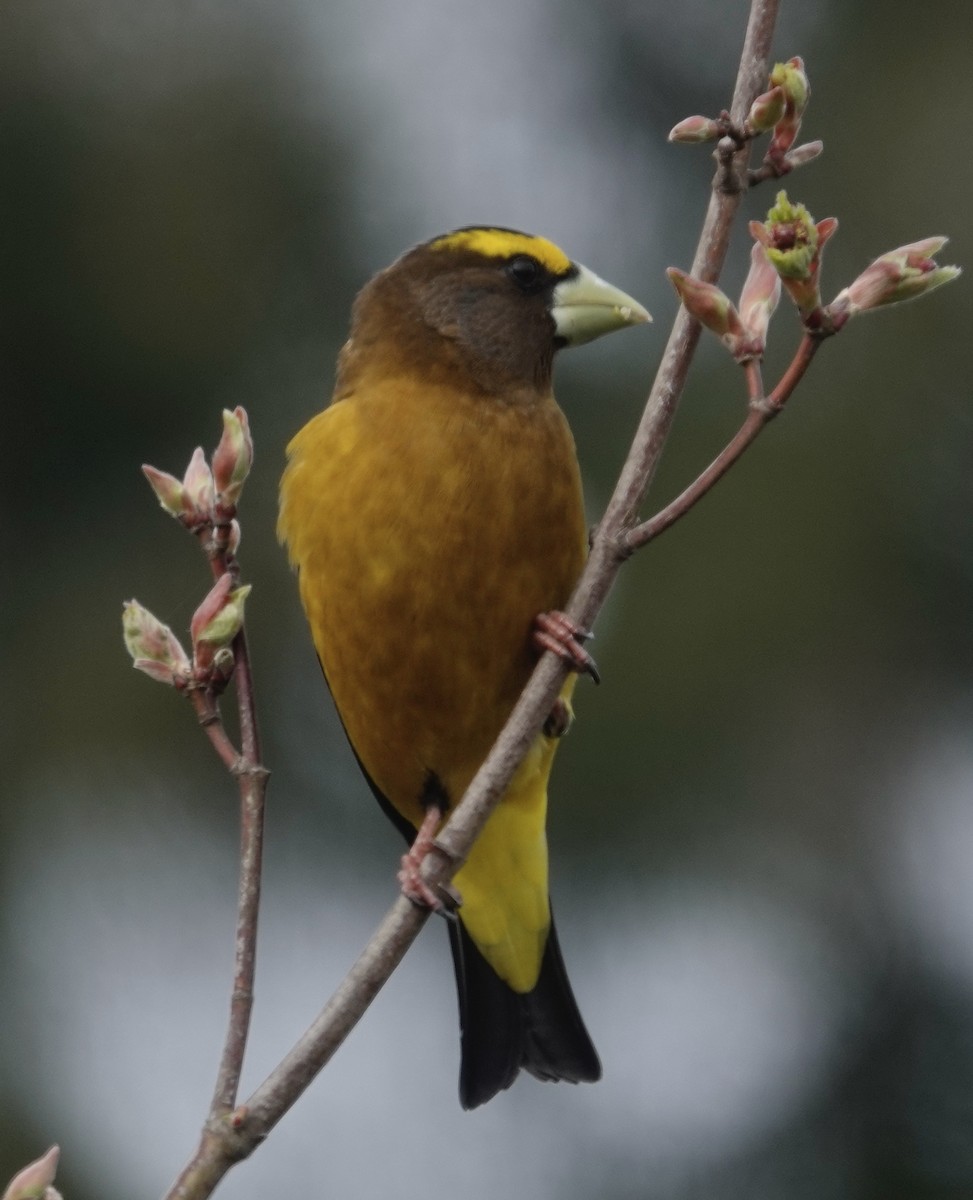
<point>429,529</point>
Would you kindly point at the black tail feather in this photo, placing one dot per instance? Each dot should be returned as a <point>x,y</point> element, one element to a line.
<point>503,1031</point>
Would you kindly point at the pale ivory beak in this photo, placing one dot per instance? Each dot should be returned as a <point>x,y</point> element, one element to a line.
<point>585,307</point>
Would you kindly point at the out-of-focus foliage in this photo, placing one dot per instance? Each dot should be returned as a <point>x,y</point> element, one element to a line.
<point>761,823</point>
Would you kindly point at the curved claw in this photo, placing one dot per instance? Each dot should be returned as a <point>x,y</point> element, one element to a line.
<point>555,631</point>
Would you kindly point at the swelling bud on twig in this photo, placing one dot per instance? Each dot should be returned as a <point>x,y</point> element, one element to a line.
<point>742,330</point>
<point>902,274</point>
<point>169,491</point>
<point>759,299</point>
<point>233,457</point>
<point>199,486</point>
<point>766,111</point>
<point>695,129</point>
<point>154,648</point>
<point>35,1180</point>
<point>801,155</point>
<point>217,621</point>
<point>707,303</point>
<point>223,663</point>
<point>792,80</point>
<point>191,501</point>
<point>207,496</point>
<point>794,243</point>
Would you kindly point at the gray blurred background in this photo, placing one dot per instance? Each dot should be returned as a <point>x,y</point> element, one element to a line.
<point>762,824</point>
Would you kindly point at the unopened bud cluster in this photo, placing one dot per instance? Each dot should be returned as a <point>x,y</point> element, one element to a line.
<point>777,111</point>
<point>207,496</point>
<point>742,328</point>
<point>787,253</point>
<point>790,78</point>
<point>157,651</point>
<point>901,274</point>
<point>204,499</point>
<point>794,243</point>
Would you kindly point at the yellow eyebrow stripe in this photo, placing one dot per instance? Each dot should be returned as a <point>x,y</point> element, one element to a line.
<point>504,243</point>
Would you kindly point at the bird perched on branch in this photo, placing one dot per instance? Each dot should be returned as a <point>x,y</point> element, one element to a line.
<point>434,513</point>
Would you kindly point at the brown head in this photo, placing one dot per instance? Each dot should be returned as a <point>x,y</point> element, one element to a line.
<point>484,306</point>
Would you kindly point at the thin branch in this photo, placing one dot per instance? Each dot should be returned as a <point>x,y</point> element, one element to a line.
<point>378,960</point>
<point>755,380</point>
<point>253,787</point>
<point>225,1142</point>
<point>209,718</point>
<point>642,534</point>
<point>252,777</point>
<point>640,466</point>
<point>762,410</point>
<point>795,372</point>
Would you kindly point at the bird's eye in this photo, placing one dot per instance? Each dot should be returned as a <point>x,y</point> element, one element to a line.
<point>525,271</point>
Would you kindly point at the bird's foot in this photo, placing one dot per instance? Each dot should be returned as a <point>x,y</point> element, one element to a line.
<point>555,631</point>
<point>443,898</point>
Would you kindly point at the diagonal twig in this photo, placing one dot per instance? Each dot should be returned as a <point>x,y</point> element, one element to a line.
<point>763,409</point>
<point>252,779</point>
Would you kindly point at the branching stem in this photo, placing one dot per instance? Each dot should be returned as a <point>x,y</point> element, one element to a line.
<point>252,782</point>
<point>762,410</point>
<point>212,724</point>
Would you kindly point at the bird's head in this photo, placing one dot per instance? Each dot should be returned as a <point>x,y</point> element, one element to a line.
<point>492,303</point>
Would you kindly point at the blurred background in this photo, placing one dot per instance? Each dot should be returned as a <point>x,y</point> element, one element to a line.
<point>762,824</point>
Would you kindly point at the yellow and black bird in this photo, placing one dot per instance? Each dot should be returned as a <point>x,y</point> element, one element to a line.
<point>434,513</point>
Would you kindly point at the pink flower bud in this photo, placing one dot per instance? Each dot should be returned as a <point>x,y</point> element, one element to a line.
<point>233,457</point>
<point>233,538</point>
<point>801,155</point>
<point>168,490</point>
<point>792,79</point>
<point>707,303</point>
<point>35,1179</point>
<point>695,129</point>
<point>766,111</point>
<point>199,487</point>
<point>759,298</point>
<point>154,648</point>
<point>218,620</point>
<point>901,274</point>
<point>211,606</point>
